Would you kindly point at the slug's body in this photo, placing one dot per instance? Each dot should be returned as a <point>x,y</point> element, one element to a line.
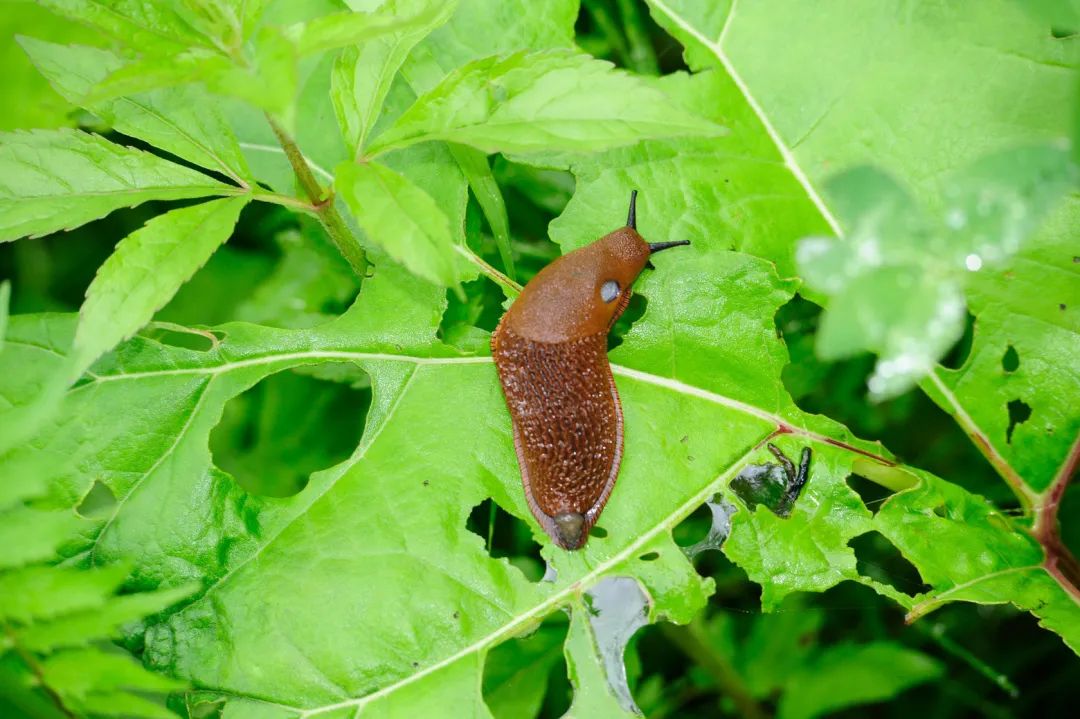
<point>550,350</point>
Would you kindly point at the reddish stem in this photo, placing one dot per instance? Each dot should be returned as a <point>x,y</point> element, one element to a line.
<point>1060,562</point>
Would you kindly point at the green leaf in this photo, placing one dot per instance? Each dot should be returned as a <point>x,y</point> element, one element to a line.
<point>145,271</point>
<point>355,28</point>
<point>80,628</point>
<point>270,79</point>
<point>1028,308</point>
<point>182,120</point>
<point>155,72</point>
<point>474,164</point>
<point>43,592</point>
<point>363,74</point>
<point>851,674</point>
<point>265,78</point>
<point>481,28</point>
<point>80,673</point>
<point>910,319</point>
<point>60,179</point>
<point>539,101</point>
<point>413,610</point>
<point>159,25</point>
<point>988,561</point>
<point>31,535</point>
<point>731,192</point>
<point>402,219</point>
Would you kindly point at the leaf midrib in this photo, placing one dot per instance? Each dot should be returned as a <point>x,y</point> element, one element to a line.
<point>716,48</point>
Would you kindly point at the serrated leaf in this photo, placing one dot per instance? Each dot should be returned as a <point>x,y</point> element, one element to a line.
<point>82,627</point>
<point>355,28</point>
<point>539,101</point>
<point>423,74</point>
<point>266,78</point>
<point>31,535</point>
<point>145,271</point>
<point>182,120</point>
<point>402,219</point>
<point>363,74</point>
<point>156,24</point>
<point>155,72</point>
<point>60,179</point>
<point>80,673</point>
<point>43,592</point>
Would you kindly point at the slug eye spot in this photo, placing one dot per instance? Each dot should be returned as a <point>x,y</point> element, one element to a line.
<point>609,291</point>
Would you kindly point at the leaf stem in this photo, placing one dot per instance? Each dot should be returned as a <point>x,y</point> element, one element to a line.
<point>1060,562</point>
<point>512,289</point>
<point>284,201</point>
<point>322,202</point>
<point>1023,493</point>
<point>938,635</point>
<point>691,640</point>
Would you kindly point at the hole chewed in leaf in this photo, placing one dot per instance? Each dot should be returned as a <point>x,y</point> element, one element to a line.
<point>633,312</point>
<point>958,355</point>
<point>650,557</point>
<point>872,494</point>
<point>878,559</point>
<point>98,503</point>
<point>617,608</point>
<point>272,437</point>
<point>719,516</point>
<point>468,324</point>
<point>507,536</point>
<point>518,673</point>
<point>1019,412</point>
<point>598,533</point>
<point>1010,361</point>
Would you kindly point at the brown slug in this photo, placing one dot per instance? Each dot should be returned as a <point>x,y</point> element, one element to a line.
<point>550,349</point>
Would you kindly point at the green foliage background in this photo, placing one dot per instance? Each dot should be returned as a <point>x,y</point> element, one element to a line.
<point>254,460</point>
